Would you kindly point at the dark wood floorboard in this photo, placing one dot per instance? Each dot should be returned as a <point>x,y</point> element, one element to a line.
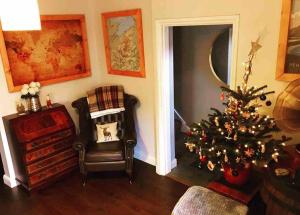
<point>105,193</point>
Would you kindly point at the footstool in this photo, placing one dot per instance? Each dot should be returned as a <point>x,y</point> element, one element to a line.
<point>201,201</point>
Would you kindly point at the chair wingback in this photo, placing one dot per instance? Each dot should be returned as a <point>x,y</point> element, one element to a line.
<point>87,125</point>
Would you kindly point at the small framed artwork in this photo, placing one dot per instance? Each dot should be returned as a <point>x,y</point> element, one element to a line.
<point>123,40</point>
<point>57,53</point>
<point>288,60</point>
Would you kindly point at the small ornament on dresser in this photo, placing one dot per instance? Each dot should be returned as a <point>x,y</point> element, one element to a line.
<point>30,92</point>
<point>20,107</point>
<point>49,102</point>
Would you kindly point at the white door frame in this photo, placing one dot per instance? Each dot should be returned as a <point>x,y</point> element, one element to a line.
<point>164,81</point>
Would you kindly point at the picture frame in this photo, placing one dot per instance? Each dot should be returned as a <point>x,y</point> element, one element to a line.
<point>57,53</point>
<point>288,58</point>
<point>123,41</point>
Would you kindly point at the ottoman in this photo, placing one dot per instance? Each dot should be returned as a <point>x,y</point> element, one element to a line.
<point>201,201</point>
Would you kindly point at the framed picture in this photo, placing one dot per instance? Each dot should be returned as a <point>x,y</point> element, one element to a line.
<point>288,61</point>
<point>123,40</point>
<point>57,53</point>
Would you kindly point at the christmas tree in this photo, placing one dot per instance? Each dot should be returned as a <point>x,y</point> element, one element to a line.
<point>240,135</point>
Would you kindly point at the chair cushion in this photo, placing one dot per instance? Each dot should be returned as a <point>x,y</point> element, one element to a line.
<point>101,152</point>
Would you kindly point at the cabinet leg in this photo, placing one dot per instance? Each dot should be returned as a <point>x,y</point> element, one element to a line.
<point>84,179</point>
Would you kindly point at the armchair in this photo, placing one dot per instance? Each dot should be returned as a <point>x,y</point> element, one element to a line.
<point>110,156</point>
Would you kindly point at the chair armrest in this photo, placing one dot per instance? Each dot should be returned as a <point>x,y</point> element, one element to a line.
<point>79,144</point>
<point>129,139</point>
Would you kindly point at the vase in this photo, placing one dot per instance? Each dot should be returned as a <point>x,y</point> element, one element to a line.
<point>34,104</point>
<point>238,175</point>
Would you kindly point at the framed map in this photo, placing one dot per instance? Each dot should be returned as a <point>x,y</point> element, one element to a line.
<point>123,40</point>
<point>57,53</point>
<point>288,61</point>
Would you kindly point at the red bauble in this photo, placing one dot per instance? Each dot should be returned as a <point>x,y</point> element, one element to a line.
<point>188,133</point>
<point>237,176</point>
<point>222,96</point>
<point>202,159</point>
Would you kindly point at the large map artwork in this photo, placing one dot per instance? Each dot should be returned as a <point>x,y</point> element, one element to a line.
<point>123,43</point>
<point>54,53</point>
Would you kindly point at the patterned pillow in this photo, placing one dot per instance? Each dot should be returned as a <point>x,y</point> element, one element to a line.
<point>107,132</point>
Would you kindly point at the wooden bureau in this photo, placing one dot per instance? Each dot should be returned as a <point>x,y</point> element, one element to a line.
<point>42,145</point>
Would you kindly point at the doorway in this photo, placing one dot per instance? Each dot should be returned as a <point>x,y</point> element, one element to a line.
<point>201,65</point>
<point>165,137</point>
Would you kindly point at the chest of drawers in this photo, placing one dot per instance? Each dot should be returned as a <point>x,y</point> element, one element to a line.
<point>42,146</point>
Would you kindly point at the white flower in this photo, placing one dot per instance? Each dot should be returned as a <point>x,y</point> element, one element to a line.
<point>38,84</point>
<point>36,89</point>
<point>25,86</point>
<point>24,91</point>
<point>31,91</point>
<point>32,84</point>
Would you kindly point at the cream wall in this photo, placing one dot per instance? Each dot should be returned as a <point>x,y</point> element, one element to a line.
<point>66,92</point>
<point>257,18</point>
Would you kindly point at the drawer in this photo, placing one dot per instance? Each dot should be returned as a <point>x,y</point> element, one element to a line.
<point>43,152</point>
<point>48,173</point>
<point>49,139</point>
<point>37,166</point>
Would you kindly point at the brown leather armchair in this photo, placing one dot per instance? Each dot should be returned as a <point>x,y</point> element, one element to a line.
<point>112,156</point>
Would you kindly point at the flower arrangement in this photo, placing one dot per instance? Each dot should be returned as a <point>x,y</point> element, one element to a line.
<point>30,90</point>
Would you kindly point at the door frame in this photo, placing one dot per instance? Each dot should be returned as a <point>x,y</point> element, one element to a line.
<point>164,108</point>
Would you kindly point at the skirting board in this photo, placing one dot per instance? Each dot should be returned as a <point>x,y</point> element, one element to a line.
<point>174,163</point>
<point>10,182</point>
<point>146,158</point>
<point>150,159</point>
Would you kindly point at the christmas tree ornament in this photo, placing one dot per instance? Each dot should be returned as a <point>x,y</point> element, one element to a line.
<point>225,158</point>
<point>281,172</point>
<point>249,152</point>
<point>263,148</point>
<point>210,166</point>
<point>243,128</point>
<point>190,146</point>
<point>217,121</point>
<point>263,97</point>
<point>246,115</point>
<point>252,109</point>
<point>268,103</point>
<point>202,159</point>
<point>235,137</point>
<point>222,96</point>
<point>275,156</point>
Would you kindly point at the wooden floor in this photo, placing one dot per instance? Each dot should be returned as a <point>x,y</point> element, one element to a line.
<point>104,194</point>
